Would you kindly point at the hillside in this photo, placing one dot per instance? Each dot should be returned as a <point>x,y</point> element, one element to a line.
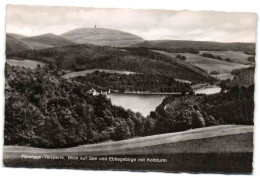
<point>14,45</point>
<point>199,45</point>
<point>192,139</point>
<point>82,57</point>
<point>102,37</point>
<point>46,41</point>
<point>231,56</point>
<point>198,150</point>
<point>235,106</point>
<point>61,113</point>
<point>16,36</point>
<point>207,64</point>
<point>135,82</point>
<point>242,77</point>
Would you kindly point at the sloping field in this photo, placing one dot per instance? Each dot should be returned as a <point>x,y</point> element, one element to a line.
<point>235,56</point>
<point>46,41</point>
<point>25,63</point>
<point>209,64</point>
<point>226,138</point>
<point>219,149</point>
<point>85,72</point>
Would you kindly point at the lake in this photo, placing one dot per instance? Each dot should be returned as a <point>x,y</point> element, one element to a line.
<point>143,103</point>
<point>25,63</point>
<point>208,91</point>
<point>224,76</point>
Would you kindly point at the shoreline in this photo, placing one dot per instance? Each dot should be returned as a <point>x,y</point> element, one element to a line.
<point>166,93</point>
<point>146,93</point>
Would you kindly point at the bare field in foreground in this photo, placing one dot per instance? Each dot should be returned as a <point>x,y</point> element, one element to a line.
<point>226,138</point>
<point>220,149</point>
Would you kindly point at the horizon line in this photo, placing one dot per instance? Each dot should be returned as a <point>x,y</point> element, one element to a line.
<point>26,36</point>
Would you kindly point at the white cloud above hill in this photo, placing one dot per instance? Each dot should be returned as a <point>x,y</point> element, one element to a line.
<point>149,24</point>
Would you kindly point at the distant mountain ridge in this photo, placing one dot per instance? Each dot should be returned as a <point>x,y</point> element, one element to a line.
<point>102,37</point>
<point>48,40</point>
<point>14,45</point>
<point>116,38</point>
<point>16,36</point>
<point>199,45</point>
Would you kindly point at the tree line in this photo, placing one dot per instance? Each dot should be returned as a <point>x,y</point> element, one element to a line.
<point>209,55</point>
<point>134,82</point>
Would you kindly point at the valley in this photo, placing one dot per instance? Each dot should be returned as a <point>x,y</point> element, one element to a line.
<point>84,57</point>
<point>83,94</point>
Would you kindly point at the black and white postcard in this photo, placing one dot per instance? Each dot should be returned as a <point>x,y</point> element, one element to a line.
<point>129,89</point>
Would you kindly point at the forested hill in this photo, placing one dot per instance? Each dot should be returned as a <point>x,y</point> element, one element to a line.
<point>81,57</point>
<point>42,109</point>
<point>182,113</point>
<point>197,45</point>
<point>242,77</point>
<point>135,82</point>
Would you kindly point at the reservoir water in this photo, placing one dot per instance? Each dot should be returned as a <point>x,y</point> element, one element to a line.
<point>208,91</point>
<point>145,103</point>
<point>142,103</point>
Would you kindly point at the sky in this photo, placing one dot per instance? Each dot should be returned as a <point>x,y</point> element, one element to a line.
<point>148,24</point>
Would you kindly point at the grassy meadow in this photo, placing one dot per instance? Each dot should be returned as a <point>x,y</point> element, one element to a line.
<point>85,72</point>
<point>25,63</point>
<point>200,150</point>
<point>208,64</point>
<point>234,56</point>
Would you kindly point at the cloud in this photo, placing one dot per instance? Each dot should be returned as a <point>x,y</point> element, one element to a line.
<point>149,24</point>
